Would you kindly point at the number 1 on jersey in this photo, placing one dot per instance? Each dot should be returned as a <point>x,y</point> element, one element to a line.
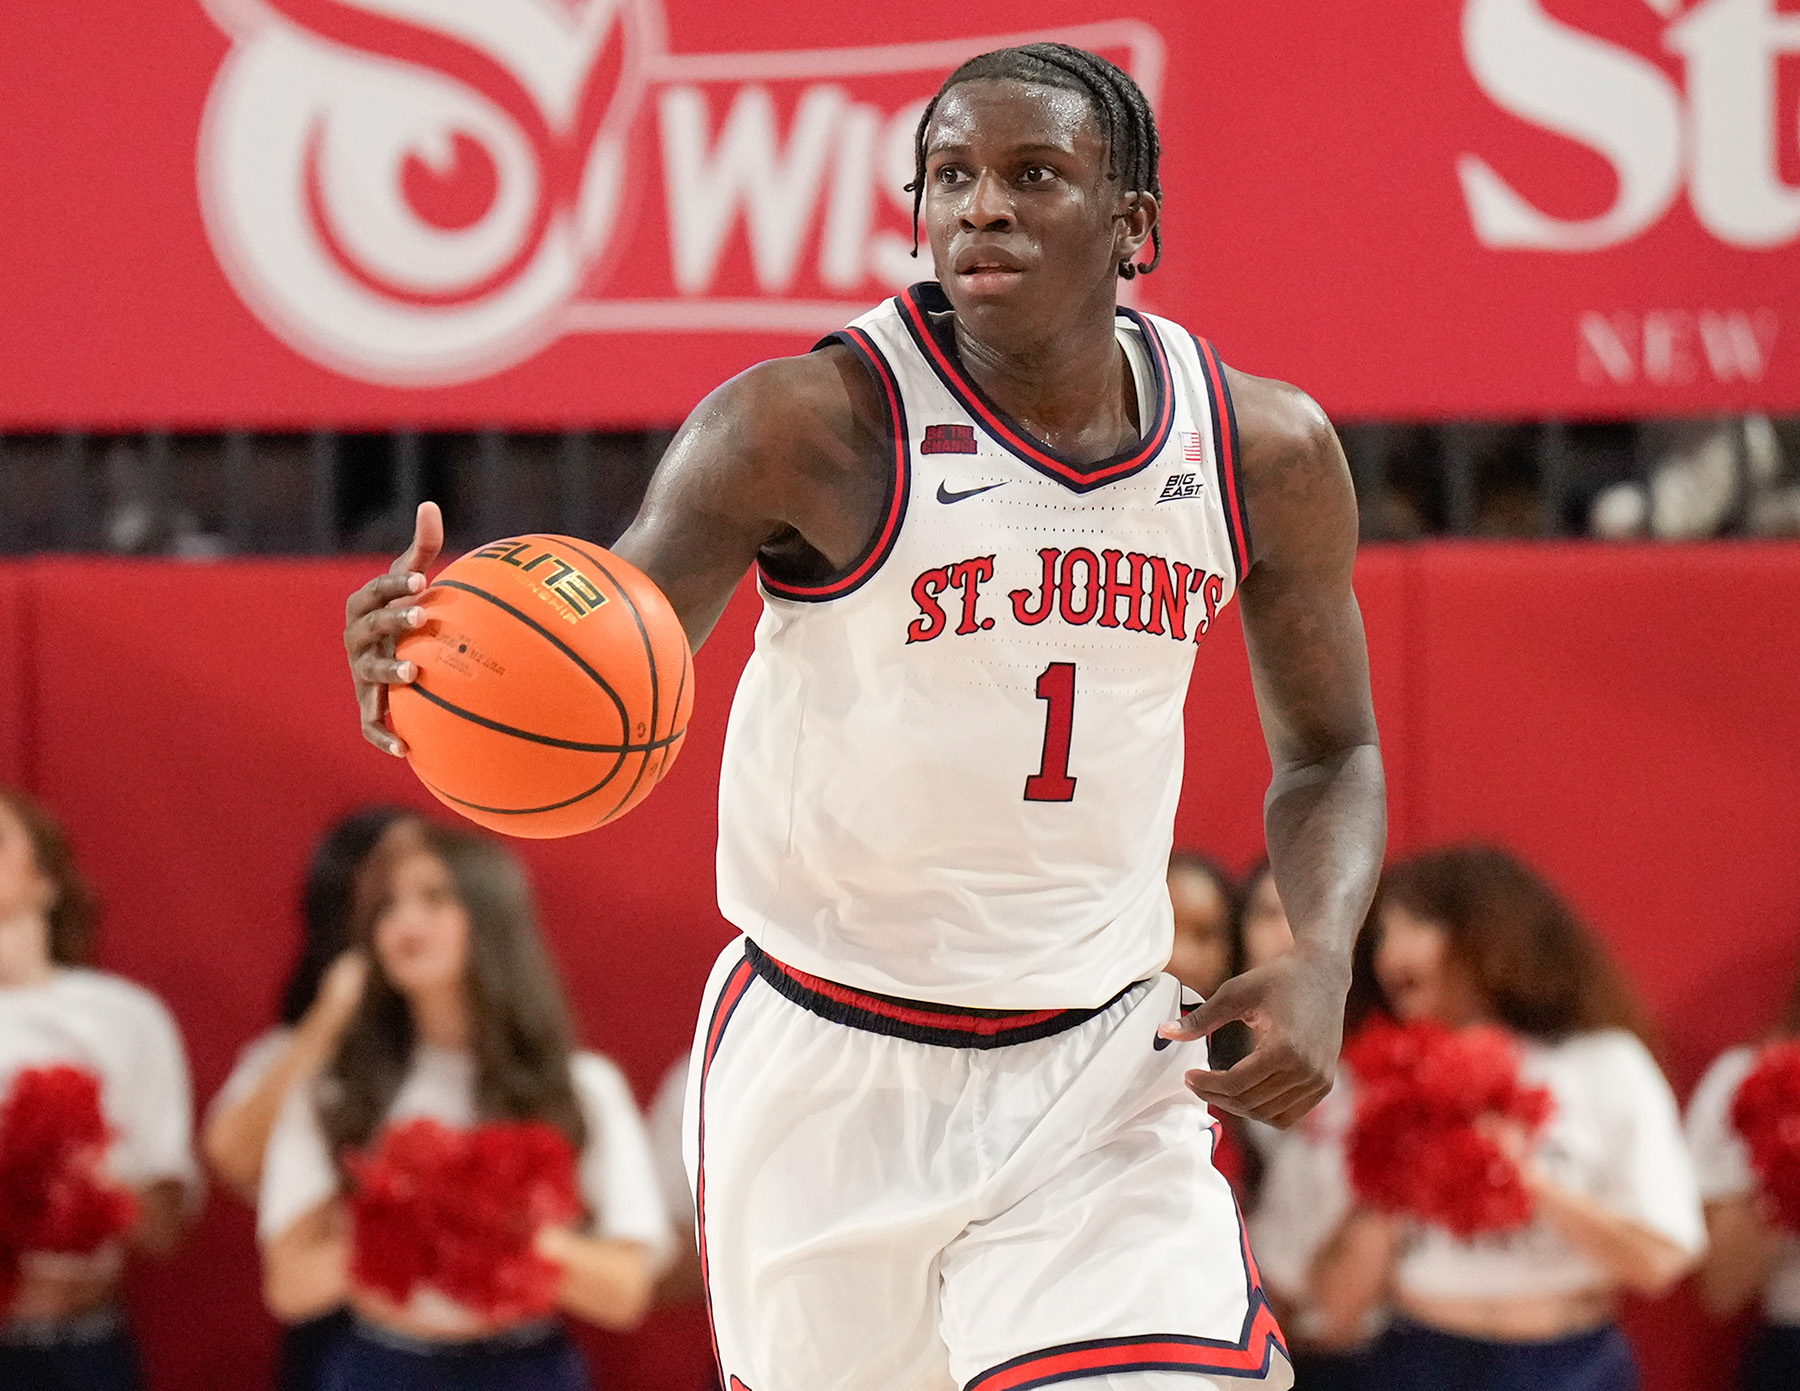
<point>1051,782</point>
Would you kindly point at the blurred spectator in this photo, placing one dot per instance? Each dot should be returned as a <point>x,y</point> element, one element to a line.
<point>1705,478</point>
<point>322,992</point>
<point>1205,951</point>
<point>1303,1192</point>
<point>1471,936</point>
<point>681,1281</point>
<point>1750,1258</point>
<point>64,1327</point>
<point>462,1021</point>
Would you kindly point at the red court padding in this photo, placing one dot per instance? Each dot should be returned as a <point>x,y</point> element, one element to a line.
<point>1227,761</point>
<point>1627,718</point>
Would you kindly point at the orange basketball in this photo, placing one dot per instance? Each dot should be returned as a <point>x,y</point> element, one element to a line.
<point>554,686</point>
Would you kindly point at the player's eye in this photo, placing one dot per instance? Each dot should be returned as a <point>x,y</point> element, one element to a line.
<point>948,174</point>
<point>1037,174</point>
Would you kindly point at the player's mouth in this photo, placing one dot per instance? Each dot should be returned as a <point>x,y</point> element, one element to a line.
<point>984,270</point>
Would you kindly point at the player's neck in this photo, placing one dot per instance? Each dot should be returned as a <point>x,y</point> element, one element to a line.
<point>1071,389</point>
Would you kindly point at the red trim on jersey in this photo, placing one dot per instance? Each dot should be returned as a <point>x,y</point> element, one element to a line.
<point>1249,1356</point>
<point>986,1024</point>
<point>864,347</point>
<point>1080,477</point>
<point>1199,1356</point>
<point>1225,451</point>
<point>736,984</point>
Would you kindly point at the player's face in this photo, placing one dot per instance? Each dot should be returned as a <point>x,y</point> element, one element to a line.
<point>421,927</point>
<point>1266,931</point>
<point>1202,955</point>
<point>1022,215</point>
<point>1416,971</point>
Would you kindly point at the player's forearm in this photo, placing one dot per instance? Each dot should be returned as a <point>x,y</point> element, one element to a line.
<point>1326,823</point>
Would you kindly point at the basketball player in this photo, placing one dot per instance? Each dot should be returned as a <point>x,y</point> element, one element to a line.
<point>937,1137</point>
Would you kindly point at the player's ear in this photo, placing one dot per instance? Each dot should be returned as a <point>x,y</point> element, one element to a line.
<point>1133,221</point>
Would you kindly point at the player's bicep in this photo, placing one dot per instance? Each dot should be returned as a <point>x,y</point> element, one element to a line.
<point>707,511</point>
<point>766,457</point>
<point>1302,625</point>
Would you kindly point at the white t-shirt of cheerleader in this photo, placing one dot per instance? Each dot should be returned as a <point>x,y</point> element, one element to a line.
<point>616,1174</point>
<point>1722,1163</point>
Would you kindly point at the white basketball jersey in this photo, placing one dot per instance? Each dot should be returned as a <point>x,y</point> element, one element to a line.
<point>951,770</point>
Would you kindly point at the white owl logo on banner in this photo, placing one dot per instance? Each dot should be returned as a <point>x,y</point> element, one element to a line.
<point>409,191</point>
<point>425,192</point>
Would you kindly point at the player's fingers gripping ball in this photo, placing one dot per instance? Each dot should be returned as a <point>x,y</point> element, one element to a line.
<point>553,690</point>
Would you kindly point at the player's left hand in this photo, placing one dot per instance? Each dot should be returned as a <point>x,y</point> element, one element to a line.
<point>1294,1006</point>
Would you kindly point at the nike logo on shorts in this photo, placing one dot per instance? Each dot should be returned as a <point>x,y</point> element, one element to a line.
<point>945,495</point>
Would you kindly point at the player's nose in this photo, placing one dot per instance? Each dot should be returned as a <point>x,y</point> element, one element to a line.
<point>989,206</point>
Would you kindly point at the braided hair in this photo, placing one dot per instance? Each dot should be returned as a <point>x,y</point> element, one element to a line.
<point>1126,121</point>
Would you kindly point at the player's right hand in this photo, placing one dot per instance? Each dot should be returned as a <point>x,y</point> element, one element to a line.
<point>374,620</point>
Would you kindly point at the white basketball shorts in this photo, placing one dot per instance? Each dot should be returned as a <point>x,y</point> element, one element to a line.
<point>896,1196</point>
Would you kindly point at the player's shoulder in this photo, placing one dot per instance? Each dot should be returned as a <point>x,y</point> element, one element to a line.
<point>1296,482</point>
<point>826,394</point>
<point>1279,425</point>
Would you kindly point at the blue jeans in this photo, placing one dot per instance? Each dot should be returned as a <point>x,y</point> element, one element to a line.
<point>1411,1357</point>
<point>304,1348</point>
<point>1331,1371</point>
<point>108,1363</point>
<point>362,1361</point>
<point>1772,1361</point>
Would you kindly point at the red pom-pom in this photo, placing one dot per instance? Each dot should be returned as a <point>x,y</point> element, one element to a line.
<point>1766,1112</point>
<point>54,1192</point>
<point>457,1210</point>
<point>1423,1143</point>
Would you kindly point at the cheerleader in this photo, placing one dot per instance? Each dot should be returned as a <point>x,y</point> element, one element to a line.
<point>462,1022</point>
<point>1303,1192</point>
<point>1750,1256</point>
<point>63,1023</point>
<point>1471,936</point>
<point>1206,949</point>
<point>322,992</point>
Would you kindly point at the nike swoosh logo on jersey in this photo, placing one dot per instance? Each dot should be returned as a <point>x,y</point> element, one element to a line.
<point>945,495</point>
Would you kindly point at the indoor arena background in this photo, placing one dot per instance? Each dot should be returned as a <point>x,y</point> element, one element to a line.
<point>272,269</point>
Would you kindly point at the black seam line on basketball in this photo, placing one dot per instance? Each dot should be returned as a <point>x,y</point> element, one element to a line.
<point>525,811</point>
<point>548,636</point>
<point>651,747</point>
<point>649,657</point>
<point>680,690</point>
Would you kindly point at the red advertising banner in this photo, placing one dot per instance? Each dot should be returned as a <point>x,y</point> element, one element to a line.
<point>277,213</point>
